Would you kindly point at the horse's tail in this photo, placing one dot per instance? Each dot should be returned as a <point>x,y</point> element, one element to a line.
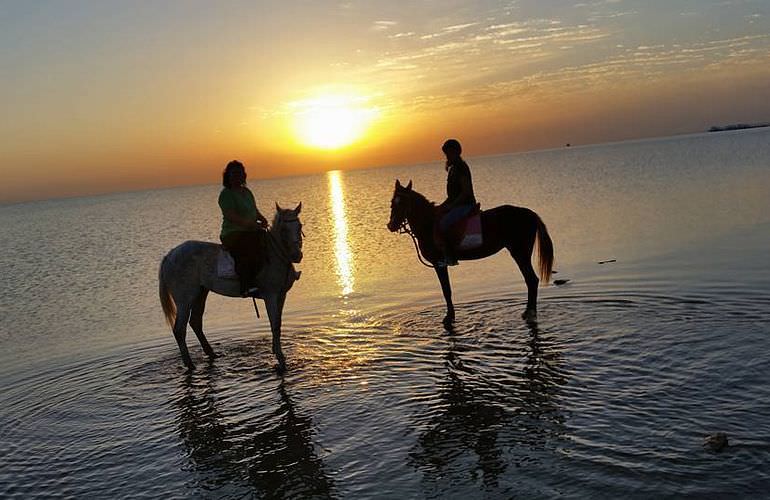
<point>166,301</point>
<point>544,250</point>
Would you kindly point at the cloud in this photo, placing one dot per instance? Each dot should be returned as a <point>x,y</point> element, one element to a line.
<point>383,25</point>
<point>642,63</point>
<point>487,44</point>
<point>496,57</point>
<point>448,30</point>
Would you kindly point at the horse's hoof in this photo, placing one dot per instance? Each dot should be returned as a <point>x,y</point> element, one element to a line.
<point>280,367</point>
<point>447,321</point>
<point>529,315</point>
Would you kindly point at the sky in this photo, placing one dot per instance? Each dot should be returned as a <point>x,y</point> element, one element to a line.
<point>106,96</point>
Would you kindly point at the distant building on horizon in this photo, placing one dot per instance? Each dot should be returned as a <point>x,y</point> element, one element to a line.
<point>738,126</point>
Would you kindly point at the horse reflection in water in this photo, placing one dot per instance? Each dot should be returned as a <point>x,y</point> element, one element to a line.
<point>268,454</point>
<point>495,420</point>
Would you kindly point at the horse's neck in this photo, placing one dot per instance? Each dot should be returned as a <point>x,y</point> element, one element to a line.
<point>422,218</point>
<point>274,247</point>
<point>274,276</point>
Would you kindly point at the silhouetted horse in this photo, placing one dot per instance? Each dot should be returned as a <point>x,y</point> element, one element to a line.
<point>506,226</point>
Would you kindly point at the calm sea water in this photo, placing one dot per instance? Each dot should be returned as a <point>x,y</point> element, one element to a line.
<point>631,364</point>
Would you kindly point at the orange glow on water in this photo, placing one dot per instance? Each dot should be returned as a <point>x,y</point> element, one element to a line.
<point>342,253</point>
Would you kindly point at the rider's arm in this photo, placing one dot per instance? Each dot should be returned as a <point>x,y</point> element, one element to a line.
<point>463,196</point>
<point>261,220</point>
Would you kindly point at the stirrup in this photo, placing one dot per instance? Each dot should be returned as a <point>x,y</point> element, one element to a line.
<point>447,261</point>
<point>251,292</point>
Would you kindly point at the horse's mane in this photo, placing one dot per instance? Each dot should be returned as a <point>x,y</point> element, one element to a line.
<point>277,217</point>
<point>421,198</point>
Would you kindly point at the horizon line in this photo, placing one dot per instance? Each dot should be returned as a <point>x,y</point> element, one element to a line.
<point>4,203</point>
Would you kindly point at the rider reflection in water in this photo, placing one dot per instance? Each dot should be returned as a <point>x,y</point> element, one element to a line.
<point>460,199</point>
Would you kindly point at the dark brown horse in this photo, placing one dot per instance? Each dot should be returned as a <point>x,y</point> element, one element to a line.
<point>506,226</point>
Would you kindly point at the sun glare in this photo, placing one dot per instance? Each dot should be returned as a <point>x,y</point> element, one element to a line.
<point>341,247</point>
<point>332,121</point>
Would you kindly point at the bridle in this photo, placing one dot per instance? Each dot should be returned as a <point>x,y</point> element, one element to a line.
<point>406,228</point>
<point>283,245</point>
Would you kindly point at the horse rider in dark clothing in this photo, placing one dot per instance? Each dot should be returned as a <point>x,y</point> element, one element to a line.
<point>242,223</point>
<point>460,200</point>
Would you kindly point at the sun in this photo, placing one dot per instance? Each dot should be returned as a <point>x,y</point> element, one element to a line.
<point>332,121</point>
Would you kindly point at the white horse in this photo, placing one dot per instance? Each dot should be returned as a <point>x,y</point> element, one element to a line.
<point>189,271</point>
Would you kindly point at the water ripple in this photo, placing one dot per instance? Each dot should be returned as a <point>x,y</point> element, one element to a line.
<point>602,396</point>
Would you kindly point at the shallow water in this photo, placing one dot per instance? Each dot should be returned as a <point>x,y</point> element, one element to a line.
<point>631,364</point>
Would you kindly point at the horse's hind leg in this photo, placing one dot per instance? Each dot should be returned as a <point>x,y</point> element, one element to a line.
<point>446,288</point>
<point>180,332</point>
<point>524,261</point>
<point>196,321</point>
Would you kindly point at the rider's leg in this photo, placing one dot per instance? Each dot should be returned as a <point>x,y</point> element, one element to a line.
<point>251,250</point>
<point>447,246</point>
<point>239,246</point>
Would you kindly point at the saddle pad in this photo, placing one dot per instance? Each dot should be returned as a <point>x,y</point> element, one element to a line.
<point>225,265</point>
<point>472,236</point>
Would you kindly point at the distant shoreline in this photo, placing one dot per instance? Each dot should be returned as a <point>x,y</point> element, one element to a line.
<point>738,126</point>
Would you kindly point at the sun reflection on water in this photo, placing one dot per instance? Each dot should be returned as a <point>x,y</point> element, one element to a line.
<point>341,248</point>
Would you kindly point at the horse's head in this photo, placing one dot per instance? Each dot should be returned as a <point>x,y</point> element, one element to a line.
<point>399,206</point>
<point>289,229</point>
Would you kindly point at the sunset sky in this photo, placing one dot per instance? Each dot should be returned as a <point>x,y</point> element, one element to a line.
<point>119,95</point>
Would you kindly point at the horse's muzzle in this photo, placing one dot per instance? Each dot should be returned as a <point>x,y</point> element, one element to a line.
<point>392,227</point>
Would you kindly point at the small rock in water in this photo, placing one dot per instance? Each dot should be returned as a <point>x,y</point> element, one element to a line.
<point>606,261</point>
<point>560,282</point>
<point>716,441</point>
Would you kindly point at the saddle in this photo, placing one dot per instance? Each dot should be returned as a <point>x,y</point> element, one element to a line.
<point>225,264</point>
<point>226,268</point>
<point>465,234</point>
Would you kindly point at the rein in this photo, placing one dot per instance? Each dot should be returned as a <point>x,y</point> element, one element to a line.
<point>406,228</point>
<point>280,249</point>
<point>279,245</point>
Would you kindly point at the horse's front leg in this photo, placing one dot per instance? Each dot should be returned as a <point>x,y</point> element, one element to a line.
<point>443,277</point>
<point>180,332</point>
<point>274,305</point>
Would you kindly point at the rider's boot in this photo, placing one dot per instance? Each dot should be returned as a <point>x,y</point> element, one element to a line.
<point>449,258</point>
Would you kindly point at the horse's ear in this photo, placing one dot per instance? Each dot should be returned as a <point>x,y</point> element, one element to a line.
<point>409,186</point>
<point>277,207</point>
<point>398,184</point>
<point>298,209</point>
